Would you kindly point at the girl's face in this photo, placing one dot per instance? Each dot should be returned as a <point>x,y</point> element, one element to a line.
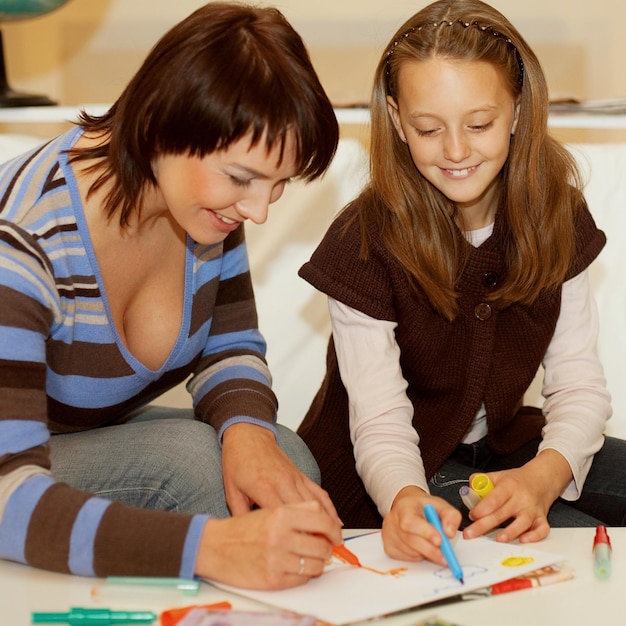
<point>457,118</point>
<point>210,196</point>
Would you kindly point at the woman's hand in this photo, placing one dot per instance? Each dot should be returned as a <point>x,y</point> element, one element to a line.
<point>257,471</point>
<point>523,495</point>
<point>268,548</point>
<point>406,533</point>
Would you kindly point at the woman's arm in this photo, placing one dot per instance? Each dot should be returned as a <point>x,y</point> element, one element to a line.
<point>45,523</point>
<point>232,392</point>
<point>231,382</point>
<point>268,548</point>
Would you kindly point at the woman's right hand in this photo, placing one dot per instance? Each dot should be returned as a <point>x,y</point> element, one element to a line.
<point>272,548</point>
<point>407,535</point>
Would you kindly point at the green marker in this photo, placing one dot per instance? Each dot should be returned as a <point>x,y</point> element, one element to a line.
<point>93,617</point>
<point>188,586</point>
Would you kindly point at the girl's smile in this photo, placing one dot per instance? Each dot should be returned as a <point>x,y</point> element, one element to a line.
<point>460,173</point>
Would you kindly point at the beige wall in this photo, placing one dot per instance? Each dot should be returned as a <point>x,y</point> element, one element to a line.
<point>87,50</point>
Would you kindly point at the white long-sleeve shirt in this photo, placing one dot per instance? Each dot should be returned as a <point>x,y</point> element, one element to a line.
<point>386,445</point>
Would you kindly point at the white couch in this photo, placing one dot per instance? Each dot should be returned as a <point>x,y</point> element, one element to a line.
<point>293,316</point>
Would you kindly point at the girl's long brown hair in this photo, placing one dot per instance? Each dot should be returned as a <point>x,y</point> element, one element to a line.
<point>540,185</point>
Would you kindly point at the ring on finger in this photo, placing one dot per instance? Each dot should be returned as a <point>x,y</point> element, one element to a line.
<point>301,568</point>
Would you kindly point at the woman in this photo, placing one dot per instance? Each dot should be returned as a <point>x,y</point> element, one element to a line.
<point>123,271</point>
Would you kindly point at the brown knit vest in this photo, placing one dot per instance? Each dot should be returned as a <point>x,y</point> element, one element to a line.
<point>487,354</point>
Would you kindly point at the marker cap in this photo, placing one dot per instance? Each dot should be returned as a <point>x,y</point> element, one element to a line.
<point>602,536</point>
<point>481,484</point>
<point>469,497</point>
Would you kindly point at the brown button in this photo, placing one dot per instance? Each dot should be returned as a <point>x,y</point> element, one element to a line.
<point>482,311</point>
<point>490,279</point>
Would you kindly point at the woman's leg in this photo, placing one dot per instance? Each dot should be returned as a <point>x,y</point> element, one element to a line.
<point>161,459</point>
<point>289,441</point>
<point>167,464</point>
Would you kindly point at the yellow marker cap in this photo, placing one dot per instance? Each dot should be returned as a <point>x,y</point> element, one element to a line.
<point>481,484</point>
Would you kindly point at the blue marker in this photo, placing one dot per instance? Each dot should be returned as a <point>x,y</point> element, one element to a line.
<point>446,546</point>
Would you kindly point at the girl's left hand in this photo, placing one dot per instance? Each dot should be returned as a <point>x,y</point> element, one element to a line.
<point>523,495</point>
<point>257,471</point>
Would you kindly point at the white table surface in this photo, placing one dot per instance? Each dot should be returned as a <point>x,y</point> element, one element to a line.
<point>581,601</point>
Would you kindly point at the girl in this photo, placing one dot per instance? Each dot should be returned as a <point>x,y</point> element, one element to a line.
<point>456,273</point>
<point>123,271</point>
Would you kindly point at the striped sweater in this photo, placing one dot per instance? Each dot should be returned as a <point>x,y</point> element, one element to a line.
<point>63,368</point>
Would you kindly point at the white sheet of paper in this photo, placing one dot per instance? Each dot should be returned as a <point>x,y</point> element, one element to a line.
<point>345,594</point>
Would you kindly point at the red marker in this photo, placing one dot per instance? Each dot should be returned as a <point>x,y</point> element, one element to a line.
<point>547,576</point>
<point>602,553</point>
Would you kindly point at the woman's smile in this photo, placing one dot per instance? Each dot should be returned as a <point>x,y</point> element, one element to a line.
<point>209,197</point>
<point>222,222</point>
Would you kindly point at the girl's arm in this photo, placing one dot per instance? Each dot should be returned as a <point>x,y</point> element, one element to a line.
<point>578,404</point>
<point>386,446</point>
<point>577,407</point>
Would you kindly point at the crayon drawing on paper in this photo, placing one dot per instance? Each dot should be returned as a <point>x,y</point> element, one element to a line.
<point>386,585</point>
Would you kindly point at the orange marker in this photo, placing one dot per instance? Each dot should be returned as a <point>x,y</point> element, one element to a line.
<point>171,617</point>
<point>341,552</point>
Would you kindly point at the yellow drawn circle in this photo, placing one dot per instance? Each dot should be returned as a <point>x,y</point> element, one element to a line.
<point>517,561</point>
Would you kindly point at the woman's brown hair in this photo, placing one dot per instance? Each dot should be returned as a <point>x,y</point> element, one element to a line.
<point>540,185</point>
<point>227,71</point>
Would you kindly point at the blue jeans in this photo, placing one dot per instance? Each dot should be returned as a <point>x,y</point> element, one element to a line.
<point>161,459</point>
<point>602,502</point>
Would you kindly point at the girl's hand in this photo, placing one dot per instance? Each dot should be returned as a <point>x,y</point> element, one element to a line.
<point>523,495</point>
<point>406,533</point>
<point>267,548</point>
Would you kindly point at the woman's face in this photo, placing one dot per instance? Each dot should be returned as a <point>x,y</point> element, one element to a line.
<point>457,118</point>
<point>210,196</point>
